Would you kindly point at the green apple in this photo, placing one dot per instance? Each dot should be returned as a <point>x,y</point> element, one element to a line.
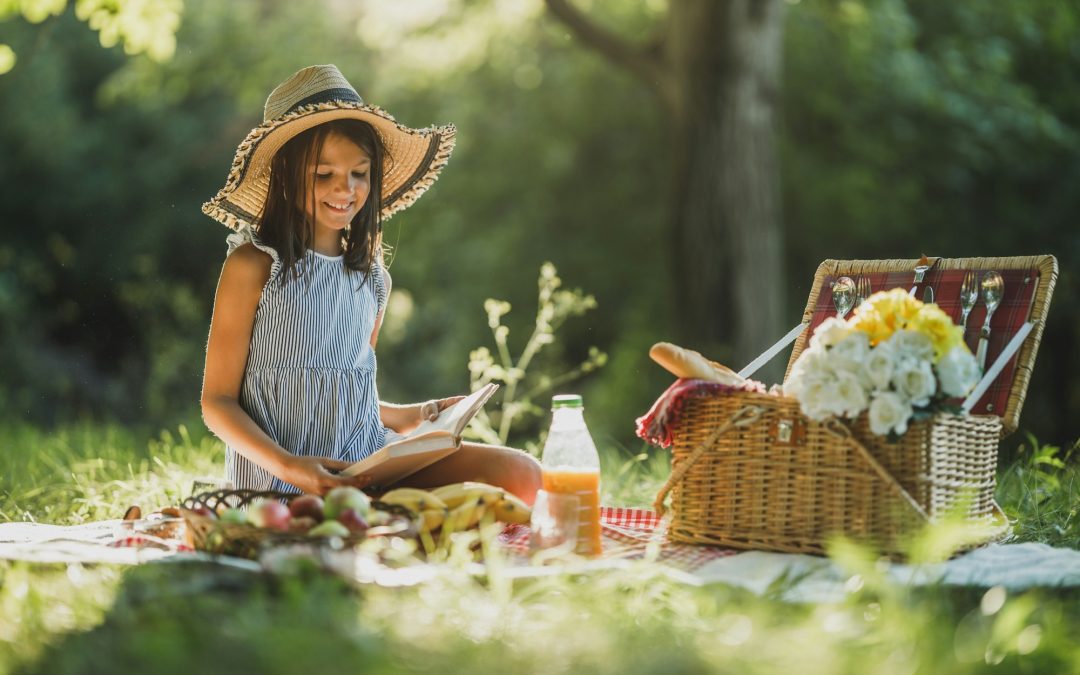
<point>329,528</point>
<point>233,515</point>
<point>341,498</point>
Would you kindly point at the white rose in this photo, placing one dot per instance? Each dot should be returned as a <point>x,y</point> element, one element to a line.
<point>889,412</point>
<point>914,380</point>
<point>851,353</point>
<point>959,372</point>
<point>813,396</point>
<point>912,344</point>
<point>849,397</point>
<point>812,363</point>
<point>879,365</point>
<point>811,382</point>
<point>830,331</point>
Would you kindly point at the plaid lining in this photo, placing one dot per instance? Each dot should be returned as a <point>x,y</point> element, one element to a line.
<point>1011,314</point>
<point>657,425</point>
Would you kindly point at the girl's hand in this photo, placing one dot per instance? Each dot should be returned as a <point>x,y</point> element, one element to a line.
<point>314,475</point>
<point>430,410</point>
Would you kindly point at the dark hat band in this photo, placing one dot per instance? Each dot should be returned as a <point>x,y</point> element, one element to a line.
<point>326,96</point>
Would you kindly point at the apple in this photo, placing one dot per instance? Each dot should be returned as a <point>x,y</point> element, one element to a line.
<point>301,524</point>
<point>269,513</point>
<point>341,498</point>
<point>233,515</point>
<point>329,528</point>
<point>352,520</point>
<point>310,506</point>
<point>205,511</point>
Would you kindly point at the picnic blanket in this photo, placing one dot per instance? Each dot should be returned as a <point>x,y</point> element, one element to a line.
<point>629,534</point>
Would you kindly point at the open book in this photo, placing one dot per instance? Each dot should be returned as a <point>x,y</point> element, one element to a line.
<point>427,443</point>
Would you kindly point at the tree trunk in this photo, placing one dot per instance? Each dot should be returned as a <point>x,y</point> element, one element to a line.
<point>724,57</point>
<point>716,68</point>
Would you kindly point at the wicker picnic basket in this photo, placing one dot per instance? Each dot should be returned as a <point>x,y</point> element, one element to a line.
<point>749,470</point>
<point>243,540</point>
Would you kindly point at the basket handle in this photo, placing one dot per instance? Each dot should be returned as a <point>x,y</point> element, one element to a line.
<point>840,430</point>
<point>740,418</point>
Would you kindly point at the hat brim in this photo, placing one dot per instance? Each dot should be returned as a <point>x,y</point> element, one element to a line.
<point>417,156</point>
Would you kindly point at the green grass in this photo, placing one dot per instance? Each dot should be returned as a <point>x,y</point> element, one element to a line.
<point>198,618</point>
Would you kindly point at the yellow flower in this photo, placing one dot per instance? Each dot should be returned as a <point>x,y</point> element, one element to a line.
<point>939,327</point>
<point>884,313</point>
<point>870,322</point>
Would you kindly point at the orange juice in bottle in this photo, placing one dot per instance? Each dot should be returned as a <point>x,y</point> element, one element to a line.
<point>571,465</point>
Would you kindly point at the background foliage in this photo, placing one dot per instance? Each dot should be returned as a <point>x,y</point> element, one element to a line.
<point>908,126</point>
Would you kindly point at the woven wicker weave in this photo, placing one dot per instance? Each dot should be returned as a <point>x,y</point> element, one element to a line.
<point>246,541</point>
<point>749,470</point>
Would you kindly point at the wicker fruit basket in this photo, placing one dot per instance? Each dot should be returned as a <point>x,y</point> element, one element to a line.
<point>749,470</point>
<point>243,540</point>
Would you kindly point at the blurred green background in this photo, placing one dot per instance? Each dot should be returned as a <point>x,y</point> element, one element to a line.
<point>901,127</point>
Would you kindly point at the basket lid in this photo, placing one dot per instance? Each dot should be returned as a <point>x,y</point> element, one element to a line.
<point>1029,285</point>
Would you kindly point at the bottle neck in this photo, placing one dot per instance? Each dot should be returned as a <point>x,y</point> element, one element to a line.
<point>567,416</point>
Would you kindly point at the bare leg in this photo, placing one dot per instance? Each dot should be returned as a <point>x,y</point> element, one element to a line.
<point>514,470</point>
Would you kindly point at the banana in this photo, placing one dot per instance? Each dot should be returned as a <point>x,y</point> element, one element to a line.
<point>510,509</point>
<point>431,519</point>
<point>414,499</point>
<point>458,493</point>
<point>463,517</point>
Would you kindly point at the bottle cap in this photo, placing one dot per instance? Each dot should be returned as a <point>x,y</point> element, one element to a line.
<point>566,401</point>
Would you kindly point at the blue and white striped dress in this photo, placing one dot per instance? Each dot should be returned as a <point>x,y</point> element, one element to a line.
<point>310,376</point>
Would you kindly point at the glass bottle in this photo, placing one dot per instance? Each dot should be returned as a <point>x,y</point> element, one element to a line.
<point>571,465</point>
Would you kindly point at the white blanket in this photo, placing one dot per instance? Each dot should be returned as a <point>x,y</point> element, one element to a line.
<point>804,578</point>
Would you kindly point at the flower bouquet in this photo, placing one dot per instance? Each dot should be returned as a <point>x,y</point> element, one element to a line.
<point>897,358</point>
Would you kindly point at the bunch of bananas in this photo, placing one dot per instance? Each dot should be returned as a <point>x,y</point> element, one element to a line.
<point>459,506</point>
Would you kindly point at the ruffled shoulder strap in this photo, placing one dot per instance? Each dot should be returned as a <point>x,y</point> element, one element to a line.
<point>378,277</point>
<point>246,235</point>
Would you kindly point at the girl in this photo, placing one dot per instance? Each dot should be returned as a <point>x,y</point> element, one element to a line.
<point>289,383</point>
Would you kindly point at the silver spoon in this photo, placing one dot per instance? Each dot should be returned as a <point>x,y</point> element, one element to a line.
<point>843,296</point>
<point>993,288</point>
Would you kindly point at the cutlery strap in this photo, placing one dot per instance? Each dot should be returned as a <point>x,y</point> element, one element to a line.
<point>997,366</point>
<point>769,353</point>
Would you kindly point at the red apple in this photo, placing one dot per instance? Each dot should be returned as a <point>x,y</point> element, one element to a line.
<point>205,511</point>
<point>352,520</point>
<point>341,498</point>
<point>310,506</point>
<point>269,513</point>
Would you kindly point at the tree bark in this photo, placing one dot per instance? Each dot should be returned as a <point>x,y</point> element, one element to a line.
<point>725,58</point>
<point>717,73</point>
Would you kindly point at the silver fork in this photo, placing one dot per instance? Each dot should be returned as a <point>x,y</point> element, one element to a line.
<point>862,290</point>
<point>969,294</point>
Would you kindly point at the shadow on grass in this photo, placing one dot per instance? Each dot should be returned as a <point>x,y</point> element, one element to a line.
<point>204,618</point>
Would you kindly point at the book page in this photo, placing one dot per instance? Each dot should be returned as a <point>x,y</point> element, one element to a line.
<point>456,417</point>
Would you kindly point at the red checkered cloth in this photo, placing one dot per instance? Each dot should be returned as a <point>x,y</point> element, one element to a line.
<point>655,426</point>
<point>1011,314</point>
<point>628,534</point>
<point>147,541</point>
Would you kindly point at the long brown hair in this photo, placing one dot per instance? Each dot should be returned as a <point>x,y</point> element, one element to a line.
<point>286,226</point>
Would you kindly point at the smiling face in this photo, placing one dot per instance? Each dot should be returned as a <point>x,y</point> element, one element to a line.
<point>341,177</point>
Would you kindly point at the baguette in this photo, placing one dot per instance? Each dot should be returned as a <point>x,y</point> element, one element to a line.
<point>689,364</point>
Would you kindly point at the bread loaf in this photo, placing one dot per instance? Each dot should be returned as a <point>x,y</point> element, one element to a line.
<point>690,364</point>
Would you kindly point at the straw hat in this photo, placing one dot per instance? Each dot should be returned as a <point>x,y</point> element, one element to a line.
<point>312,96</point>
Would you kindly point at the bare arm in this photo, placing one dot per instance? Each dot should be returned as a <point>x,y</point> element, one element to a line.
<point>242,278</point>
